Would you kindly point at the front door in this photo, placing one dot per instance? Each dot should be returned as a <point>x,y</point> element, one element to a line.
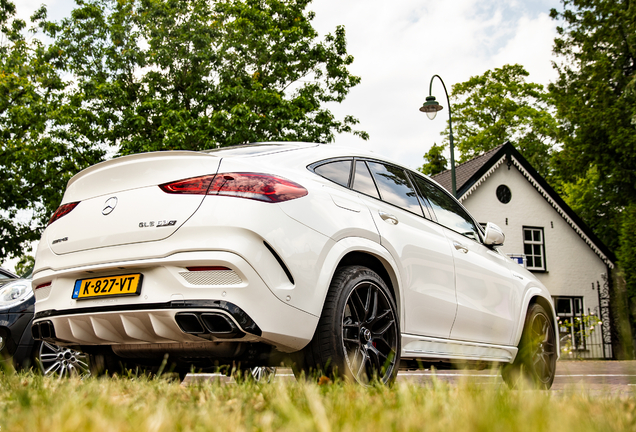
<point>486,294</point>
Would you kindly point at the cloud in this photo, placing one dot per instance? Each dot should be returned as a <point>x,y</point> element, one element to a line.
<point>399,46</point>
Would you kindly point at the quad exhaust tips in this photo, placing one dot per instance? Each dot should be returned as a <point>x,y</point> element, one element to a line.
<point>214,324</point>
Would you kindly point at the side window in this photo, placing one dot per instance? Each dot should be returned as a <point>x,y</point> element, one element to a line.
<point>363,182</point>
<point>337,172</point>
<point>448,212</point>
<point>395,188</point>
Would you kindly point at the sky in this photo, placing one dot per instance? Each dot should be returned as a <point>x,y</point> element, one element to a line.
<point>399,45</point>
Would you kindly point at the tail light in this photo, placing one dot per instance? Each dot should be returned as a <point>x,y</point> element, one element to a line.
<point>44,285</point>
<point>62,210</point>
<point>260,187</point>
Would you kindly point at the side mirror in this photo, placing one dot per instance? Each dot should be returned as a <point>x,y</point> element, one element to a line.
<point>494,236</point>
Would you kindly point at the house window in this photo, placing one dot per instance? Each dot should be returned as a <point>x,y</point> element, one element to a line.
<point>571,321</point>
<point>534,248</point>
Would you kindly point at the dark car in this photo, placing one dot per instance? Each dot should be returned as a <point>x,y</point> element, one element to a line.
<point>6,276</point>
<point>18,349</point>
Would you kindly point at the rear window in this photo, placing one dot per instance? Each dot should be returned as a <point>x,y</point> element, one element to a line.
<point>337,171</point>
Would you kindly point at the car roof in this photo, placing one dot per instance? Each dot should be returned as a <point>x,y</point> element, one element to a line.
<point>315,150</point>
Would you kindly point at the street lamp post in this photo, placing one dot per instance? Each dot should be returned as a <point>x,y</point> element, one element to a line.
<point>430,107</point>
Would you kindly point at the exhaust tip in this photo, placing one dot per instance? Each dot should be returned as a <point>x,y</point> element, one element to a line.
<point>220,326</point>
<point>189,323</point>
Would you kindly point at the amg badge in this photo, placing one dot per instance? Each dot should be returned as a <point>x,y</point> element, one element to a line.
<point>158,224</point>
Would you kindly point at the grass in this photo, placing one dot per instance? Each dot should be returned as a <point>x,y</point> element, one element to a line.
<point>31,402</point>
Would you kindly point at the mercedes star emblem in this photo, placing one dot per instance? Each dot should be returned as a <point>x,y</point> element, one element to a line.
<point>109,206</point>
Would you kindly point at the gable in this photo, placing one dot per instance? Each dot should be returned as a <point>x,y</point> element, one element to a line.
<point>472,174</point>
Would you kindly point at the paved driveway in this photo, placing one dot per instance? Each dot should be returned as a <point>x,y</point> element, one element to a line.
<point>616,377</point>
<point>602,377</point>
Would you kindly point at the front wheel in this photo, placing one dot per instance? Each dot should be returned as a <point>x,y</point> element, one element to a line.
<point>358,335</point>
<point>537,355</point>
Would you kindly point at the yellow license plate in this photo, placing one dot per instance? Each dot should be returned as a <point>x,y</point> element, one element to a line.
<point>108,286</point>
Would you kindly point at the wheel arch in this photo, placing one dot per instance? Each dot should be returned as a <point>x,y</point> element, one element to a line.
<point>378,265</point>
<point>365,252</point>
<point>536,296</point>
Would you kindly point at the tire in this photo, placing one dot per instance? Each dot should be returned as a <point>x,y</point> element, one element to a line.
<point>59,361</point>
<point>105,365</point>
<point>358,334</point>
<point>536,359</point>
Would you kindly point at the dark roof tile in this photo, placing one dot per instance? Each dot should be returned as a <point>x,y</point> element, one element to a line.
<point>464,172</point>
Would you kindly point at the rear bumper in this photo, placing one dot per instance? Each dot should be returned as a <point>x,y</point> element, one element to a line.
<point>243,307</point>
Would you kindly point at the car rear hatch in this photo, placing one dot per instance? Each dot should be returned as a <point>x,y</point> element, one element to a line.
<point>120,202</point>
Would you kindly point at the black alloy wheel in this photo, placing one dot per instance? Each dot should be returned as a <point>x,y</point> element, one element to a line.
<point>369,333</point>
<point>536,359</point>
<point>358,334</point>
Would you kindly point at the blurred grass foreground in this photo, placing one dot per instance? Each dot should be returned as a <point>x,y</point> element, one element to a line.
<point>31,402</point>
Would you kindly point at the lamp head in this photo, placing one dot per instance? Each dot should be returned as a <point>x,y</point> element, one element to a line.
<point>430,107</point>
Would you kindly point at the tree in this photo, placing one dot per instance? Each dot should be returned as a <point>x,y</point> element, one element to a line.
<point>197,74</point>
<point>595,97</point>
<point>126,76</point>
<point>435,161</point>
<point>501,106</point>
<point>36,154</point>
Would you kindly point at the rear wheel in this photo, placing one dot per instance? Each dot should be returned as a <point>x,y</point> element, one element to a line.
<point>358,335</point>
<point>61,361</point>
<point>536,358</point>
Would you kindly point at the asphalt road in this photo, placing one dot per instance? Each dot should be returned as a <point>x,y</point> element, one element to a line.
<point>597,377</point>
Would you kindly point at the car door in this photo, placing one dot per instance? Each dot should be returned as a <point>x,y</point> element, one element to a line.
<point>417,244</point>
<point>486,293</point>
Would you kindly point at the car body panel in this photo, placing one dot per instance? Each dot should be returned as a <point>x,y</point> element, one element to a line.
<point>426,269</point>
<point>487,298</point>
<point>280,258</point>
<point>138,171</point>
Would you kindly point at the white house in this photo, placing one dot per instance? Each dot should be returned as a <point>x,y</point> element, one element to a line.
<point>501,187</point>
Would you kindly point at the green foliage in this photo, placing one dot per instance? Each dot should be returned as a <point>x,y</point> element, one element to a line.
<point>34,403</point>
<point>25,265</point>
<point>627,251</point>
<point>128,76</point>
<point>584,326</point>
<point>501,106</point>
<point>585,195</point>
<point>194,74</point>
<point>596,99</point>
<point>38,153</point>
<point>435,161</point>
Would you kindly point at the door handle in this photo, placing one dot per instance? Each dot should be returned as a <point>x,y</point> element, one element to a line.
<point>460,247</point>
<point>387,217</point>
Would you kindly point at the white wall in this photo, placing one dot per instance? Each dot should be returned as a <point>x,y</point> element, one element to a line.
<point>572,266</point>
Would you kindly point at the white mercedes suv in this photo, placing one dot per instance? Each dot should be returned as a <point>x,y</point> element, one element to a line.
<point>335,258</point>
